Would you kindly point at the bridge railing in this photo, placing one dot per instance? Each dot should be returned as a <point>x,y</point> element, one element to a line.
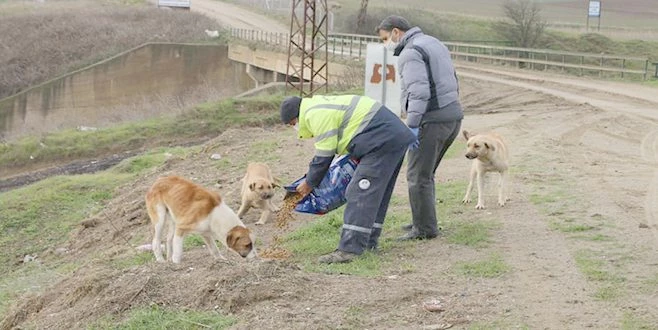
<point>355,45</point>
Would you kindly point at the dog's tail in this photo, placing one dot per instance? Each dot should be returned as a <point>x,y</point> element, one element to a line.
<point>155,206</point>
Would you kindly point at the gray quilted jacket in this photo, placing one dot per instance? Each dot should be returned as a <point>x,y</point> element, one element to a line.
<point>416,93</point>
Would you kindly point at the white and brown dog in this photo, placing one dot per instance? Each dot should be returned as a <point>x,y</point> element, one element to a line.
<point>489,154</point>
<point>257,191</point>
<point>190,208</point>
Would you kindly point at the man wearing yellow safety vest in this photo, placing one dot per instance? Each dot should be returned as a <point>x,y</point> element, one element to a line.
<point>369,132</point>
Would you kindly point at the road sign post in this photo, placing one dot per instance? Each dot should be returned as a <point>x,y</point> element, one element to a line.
<point>382,81</point>
<point>594,10</point>
<point>176,4</point>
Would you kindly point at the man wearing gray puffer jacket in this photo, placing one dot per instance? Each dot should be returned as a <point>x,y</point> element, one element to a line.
<point>430,100</point>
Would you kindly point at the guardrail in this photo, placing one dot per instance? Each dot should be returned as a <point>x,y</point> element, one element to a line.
<point>354,45</point>
<point>540,59</point>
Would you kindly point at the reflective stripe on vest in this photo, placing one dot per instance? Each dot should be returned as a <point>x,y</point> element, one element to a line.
<point>356,115</point>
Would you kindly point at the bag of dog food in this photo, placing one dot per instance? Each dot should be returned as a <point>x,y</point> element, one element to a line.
<point>330,194</point>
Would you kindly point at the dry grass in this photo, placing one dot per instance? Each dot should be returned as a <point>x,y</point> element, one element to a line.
<point>39,42</point>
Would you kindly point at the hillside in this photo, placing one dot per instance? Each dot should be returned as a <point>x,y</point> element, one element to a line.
<point>44,40</point>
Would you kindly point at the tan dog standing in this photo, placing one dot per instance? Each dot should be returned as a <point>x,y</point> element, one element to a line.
<point>190,208</point>
<point>257,191</point>
<point>489,154</point>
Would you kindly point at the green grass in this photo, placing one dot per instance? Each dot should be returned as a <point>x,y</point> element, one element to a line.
<point>594,268</point>
<point>596,238</point>
<point>608,292</point>
<point>471,232</point>
<point>450,194</point>
<point>39,217</point>
<point>460,222</point>
<point>548,199</point>
<point>322,236</point>
<point>29,278</point>
<point>156,317</point>
<point>193,240</point>
<point>491,267</point>
<point>204,121</point>
<point>353,317</point>
<point>633,322</point>
<point>454,217</point>
<point>567,227</point>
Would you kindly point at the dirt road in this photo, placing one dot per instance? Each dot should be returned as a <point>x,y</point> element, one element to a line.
<point>237,17</point>
<point>580,234</point>
<point>595,144</point>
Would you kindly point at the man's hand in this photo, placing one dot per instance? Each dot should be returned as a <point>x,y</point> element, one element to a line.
<point>304,189</point>
<point>414,145</point>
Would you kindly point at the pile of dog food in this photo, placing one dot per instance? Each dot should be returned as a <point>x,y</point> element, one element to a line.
<point>275,252</point>
<point>283,217</point>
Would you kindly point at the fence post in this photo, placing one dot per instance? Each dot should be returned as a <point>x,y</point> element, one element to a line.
<point>360,46</point>
<point>601,67</point>
<point>342,46</point>
<point>623,67</point>
<point>351,45</point>
<point>491,54</point>
<point>333,47</point>
<point>582,61</point>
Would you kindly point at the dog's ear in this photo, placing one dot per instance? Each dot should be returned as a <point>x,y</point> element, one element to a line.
<point>489,146</point>
<point>235,234</point>
<point>275,185</point>
<point>467,135</point>
<point>232,238</point>
<point>252,186</point>
<point>277,182</point>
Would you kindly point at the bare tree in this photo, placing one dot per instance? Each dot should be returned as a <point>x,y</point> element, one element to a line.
<point>524,25</point>
<point>361,20</point>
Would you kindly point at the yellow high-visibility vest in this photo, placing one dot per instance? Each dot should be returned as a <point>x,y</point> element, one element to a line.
<point>334,121</point>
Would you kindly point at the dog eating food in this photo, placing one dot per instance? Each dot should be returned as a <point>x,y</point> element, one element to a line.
<point>187,207</point>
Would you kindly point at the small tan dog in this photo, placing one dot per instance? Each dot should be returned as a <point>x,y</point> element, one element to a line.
<point>489,154</point>
<point>257,190</point>
<point>190,208</point>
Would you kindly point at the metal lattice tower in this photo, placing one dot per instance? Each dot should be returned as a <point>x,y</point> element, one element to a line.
<point>308,51</point>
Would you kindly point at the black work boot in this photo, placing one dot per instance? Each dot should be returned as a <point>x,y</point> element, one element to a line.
<point>415,235</point>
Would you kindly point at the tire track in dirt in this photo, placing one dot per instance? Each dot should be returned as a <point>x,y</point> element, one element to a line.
<point>544,289</point>
<point>649,149</point>
<point>597,148</point>
<point>618,101</point>
<point>236,17</point>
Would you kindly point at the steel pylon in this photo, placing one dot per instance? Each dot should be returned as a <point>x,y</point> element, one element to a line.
<point>308,50</point>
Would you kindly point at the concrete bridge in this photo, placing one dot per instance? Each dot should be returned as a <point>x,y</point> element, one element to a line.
<point>158,79</point>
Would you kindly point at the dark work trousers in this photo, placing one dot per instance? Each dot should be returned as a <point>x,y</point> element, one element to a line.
<point>435,139</point>
<point>368,195</point>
